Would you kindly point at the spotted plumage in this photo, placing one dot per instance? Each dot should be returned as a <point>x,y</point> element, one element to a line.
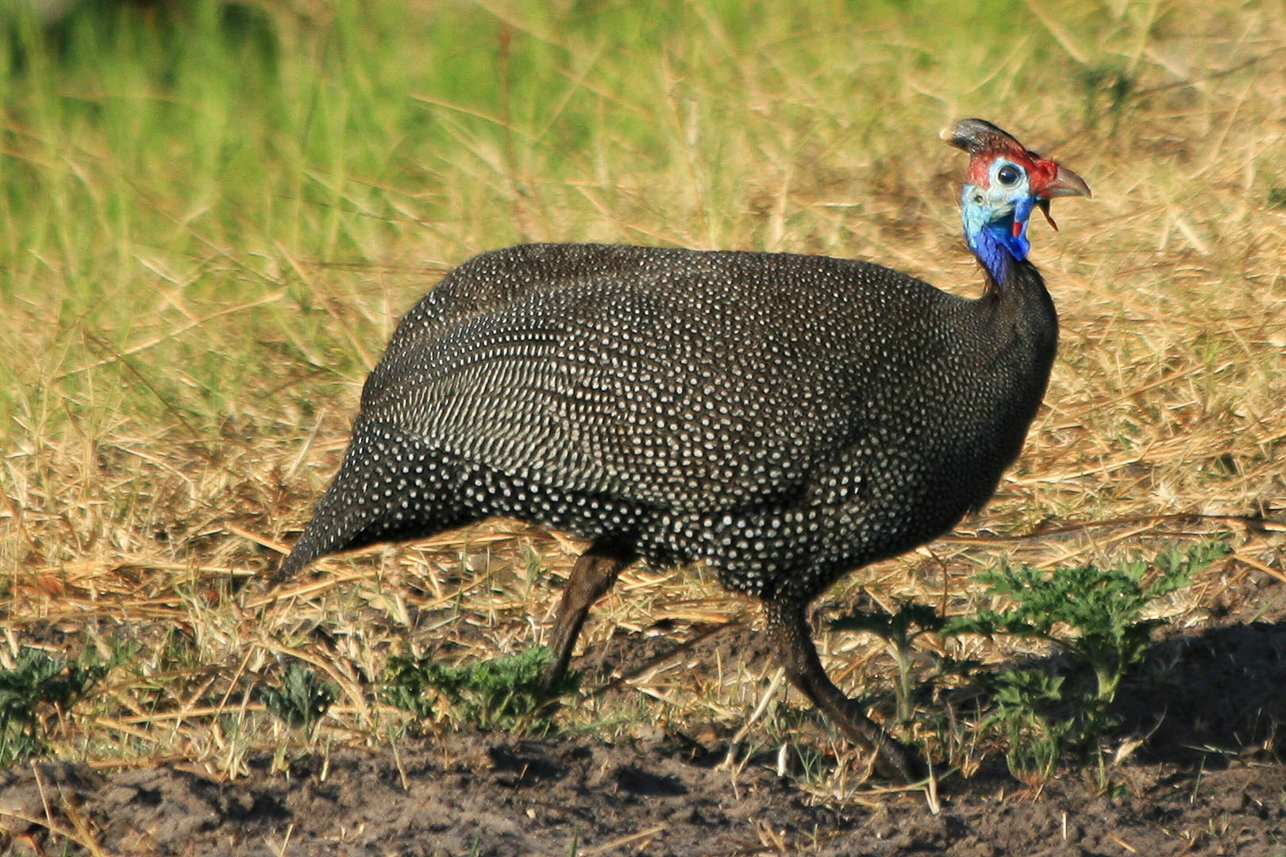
<point>782,418</point>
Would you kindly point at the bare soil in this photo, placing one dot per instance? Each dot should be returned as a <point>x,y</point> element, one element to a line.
<point>1208,780</point>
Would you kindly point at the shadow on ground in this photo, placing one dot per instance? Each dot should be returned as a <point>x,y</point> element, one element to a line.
<point>1207,697</point>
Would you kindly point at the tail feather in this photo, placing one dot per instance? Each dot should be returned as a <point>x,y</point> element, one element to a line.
<point>390,485</point>
<point>329,531</point>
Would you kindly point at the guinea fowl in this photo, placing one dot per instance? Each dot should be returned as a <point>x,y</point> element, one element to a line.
<point>782,418</point>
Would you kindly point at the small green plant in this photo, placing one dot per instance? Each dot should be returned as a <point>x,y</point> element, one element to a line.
<point>302,701</point>
<point>1031,714</point>
<point>408,685</point>
<point>1095,614</point>
<point>40,688</point>
<point>899,630</point>
<point>506,694</point>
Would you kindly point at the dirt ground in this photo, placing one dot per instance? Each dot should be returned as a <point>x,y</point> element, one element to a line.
<point>1209,780</point>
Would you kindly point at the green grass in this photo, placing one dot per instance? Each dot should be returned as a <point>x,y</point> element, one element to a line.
<point>191,180</point>
<point>211,218</point>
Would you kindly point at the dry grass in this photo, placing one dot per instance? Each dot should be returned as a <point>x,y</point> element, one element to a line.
<point>1165,417</point>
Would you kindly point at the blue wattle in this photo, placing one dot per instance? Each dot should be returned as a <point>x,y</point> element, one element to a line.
<point>993,240</point>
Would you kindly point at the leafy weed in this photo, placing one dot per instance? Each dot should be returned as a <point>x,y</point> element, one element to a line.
<point>506,694</point>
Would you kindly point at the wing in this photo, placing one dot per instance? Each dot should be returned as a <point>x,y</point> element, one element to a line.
<point>703,385</point>
<point>492,281</point>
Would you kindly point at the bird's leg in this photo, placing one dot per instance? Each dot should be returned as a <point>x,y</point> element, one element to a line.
<point>594,574</point>
<point>793,644</point>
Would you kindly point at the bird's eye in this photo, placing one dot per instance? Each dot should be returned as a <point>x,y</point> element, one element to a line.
<point>1008,174</point>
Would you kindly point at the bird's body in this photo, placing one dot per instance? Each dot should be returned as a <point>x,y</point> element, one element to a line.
<point>782,418</point>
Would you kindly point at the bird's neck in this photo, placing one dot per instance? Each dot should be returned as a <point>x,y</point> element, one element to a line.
<point>1015,295</point>
<point>998,250</point>
<point>1020,310</point>
<point>994,256</point>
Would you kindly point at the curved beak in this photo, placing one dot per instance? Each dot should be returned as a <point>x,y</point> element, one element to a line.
<point>1064,183</point>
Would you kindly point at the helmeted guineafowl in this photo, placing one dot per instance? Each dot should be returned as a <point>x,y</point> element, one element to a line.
<point>783,418</point>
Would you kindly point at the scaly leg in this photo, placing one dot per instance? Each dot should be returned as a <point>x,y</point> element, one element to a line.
<point>594,574</point>
<point>793,644</point>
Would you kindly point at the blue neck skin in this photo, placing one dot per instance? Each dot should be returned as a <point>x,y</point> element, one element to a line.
<point>989,229</point>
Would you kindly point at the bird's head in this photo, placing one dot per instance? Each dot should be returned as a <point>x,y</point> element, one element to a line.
<point>1005,182</point>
